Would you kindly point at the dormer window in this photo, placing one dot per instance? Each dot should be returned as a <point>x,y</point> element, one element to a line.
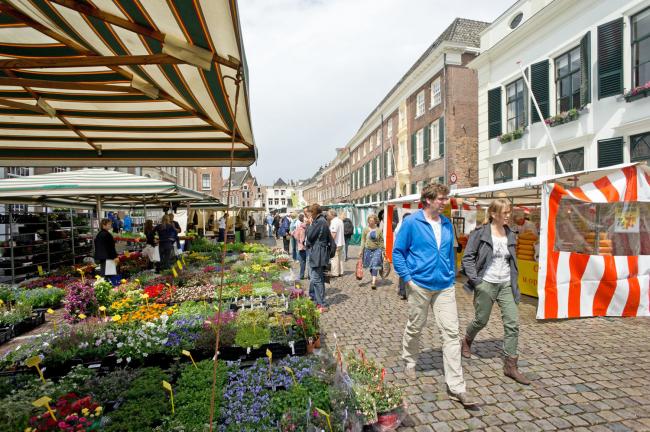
<point>516,20</point>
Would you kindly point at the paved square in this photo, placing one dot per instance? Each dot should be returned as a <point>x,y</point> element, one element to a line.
<point>589,374</point>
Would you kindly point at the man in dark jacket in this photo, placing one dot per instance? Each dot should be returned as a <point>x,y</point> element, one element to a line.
<point>283,231</point>
<point>318,241</point>
<point>348,232</point>
<point>104,245</point>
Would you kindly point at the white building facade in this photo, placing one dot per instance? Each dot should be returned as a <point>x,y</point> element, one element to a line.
<point>588,65</point>
<point>280,195</point>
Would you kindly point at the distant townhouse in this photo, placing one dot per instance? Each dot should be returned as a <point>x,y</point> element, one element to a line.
<point>210,181</point>
<point>588,66</point>
<point>244,190</point>
<point>281,195</point>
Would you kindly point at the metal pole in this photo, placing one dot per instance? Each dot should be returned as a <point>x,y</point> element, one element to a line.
<point>11,245</point>
<point>556,156</point>
<point>74,255</point>
<point>47,236</point>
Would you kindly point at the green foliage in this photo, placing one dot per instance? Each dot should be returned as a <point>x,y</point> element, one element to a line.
<point>14,315</point>
<point>193,394</point>
<point>296,399</point>
<point>16,408</point>
<point>204,245</point>
<point>7,293</point>
<point>306,314</point>
<point>42,297</point>
<point>110,387</point>
<point>252,328</point>
<point>146,403</point>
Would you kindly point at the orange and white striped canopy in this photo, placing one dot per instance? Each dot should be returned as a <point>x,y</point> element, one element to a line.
<point>605,280</point>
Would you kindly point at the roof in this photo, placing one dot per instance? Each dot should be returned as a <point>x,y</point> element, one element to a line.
<point>280,182</point>
<point>461,30</point>
<point>123,83</point>
<point>238,178</point>
<point>81,189</point>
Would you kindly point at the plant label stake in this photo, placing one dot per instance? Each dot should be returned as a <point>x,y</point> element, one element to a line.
<point>44,402</point>
<point>179,264</point>
<point>269,354</point>
<point>145,296</point>
<point>189,354</point>
<point>83,277</point>
<point>102,309</point>
<point>35,363</point>
<point>174,272</point>
<point>50,311</point>
<point>183,258</point>
<point>40,270</point>
<point>168,387</point>
<point>126,253</point>
<point>327,417</point>
<point>293,375</point>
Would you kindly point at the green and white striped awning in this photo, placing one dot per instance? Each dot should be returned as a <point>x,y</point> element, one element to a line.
<point>123,83</point>
<point>84,188</point>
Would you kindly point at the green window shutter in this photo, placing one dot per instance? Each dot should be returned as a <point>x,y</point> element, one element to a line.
<point>385,163</point>
<point>426,153</point>
<point>494,113</point>
<point>414,188</point>
<point>539,84</point>
<point>367,173</point>
<point>610,59</point>
<point>441,136</point>
<point>585,69</point>
<point>414,156</point>
<point>610,152</point>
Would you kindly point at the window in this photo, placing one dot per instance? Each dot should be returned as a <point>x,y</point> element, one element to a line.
<point>567,80</point>
<point>502,172</point>
<point>389,128</point>
<point>59,169</point>
<point>435,139</point>
<point>515,104</point>
<point>282,192</point>
<point>572,160</point>
<point>516,20</point>
<point>403,154</point>
<point>206,182</point>
<point>527,167</point>
<point>419,146</point>
<point>640,147</point>
<point>641,48</point>
<point>419,104</point>
<point>17,172</point>
<point>283,201</point>
<point>436,96</point>
<point>377,169</point>
<point>402,118</point>
<point>379,138</point>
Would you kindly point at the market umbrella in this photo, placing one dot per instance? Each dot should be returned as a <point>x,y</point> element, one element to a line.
<point>123,83</point>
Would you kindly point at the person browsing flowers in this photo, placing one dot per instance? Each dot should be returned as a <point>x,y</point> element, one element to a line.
<point>372,248</point>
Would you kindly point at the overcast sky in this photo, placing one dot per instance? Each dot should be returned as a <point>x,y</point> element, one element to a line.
<point>319,67</point>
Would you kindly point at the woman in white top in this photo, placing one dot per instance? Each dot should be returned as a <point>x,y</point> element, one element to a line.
<point>491,267</point>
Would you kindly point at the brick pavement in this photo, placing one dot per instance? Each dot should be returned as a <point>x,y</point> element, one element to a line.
<point>590,374</point>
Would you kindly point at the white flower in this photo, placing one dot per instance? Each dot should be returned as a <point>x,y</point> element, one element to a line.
<point>145,354</point>
<point>128,359</point>
<point>119,360</point>
<point>120,344</point>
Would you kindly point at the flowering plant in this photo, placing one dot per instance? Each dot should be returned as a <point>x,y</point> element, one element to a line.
<point>563,117</point>
<point>73,413</point>
<point>637,90</point>
<point>148,312</point>
<point>80,300</point>
<point>55,281</point>
<point>161,293</point>
<point>124,305</point>
<point>103,289</point>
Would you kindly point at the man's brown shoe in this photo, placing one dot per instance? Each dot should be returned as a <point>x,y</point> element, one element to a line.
<point>511,370</point>
<point>466,347</point>
<point>464,398</point>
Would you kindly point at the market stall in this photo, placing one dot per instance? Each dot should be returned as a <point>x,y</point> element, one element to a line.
<point>595,247</point>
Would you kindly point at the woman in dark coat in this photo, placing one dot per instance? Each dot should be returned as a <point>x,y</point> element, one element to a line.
<point>167,237</point>
<point>318,241</point>
<point>105,245</point>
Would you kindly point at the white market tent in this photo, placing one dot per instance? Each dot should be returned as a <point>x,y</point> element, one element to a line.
<point>123,83</point>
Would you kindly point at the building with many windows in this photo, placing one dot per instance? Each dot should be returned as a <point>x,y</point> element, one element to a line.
<point>587,63</point>
<point>244,190</point>
<point>210,181</point>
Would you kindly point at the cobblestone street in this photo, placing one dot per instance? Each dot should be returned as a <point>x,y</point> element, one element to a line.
<point>589,374</point>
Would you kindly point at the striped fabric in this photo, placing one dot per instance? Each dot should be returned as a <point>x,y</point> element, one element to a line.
<point>572,285</point>
<point>122,83</point>
<point>80,189</point>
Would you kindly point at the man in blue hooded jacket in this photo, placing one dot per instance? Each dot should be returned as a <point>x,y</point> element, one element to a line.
<point>424,257</point>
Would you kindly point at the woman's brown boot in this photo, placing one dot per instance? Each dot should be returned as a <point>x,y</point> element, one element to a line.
<point>510,370</point>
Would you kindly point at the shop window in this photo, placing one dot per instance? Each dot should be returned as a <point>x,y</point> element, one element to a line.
<point>619,228</point>
<point>572,160</point>
<point>502,172</point>
<point>567,80</point>
<point>527,167</point>
<point>641,48</point>
<point>640,147</point>
<point>516,105</point>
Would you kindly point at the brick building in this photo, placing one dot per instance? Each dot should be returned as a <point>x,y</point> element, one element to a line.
<point>245,191</point>
<point>424,130</point>
<point>210,181</point>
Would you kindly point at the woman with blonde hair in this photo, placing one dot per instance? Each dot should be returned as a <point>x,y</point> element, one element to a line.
<point>491,267</point>
<point>372,248</point>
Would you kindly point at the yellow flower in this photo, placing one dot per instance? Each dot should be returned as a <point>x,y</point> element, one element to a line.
<point>48,286</point>
<point>116,318</point>
<point>102,308</point>
<point>82,316</point>
<point>97,277</point>
<point>98,409</point>
<point>123,281</point>
<point>50,311</point>
<point>144,296</point>
<point>137,281</point>
<point>85,411</point>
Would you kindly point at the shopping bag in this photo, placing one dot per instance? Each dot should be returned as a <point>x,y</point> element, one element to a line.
<point>359,271</point>
<point>156,254</point>
<point>110,268</point>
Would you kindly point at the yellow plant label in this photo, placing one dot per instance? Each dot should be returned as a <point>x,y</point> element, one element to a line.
<point>40,270</point>
<point>167,386</point>
<point>189,354</point>
<point>183,258</point>
<point>33,361</point>
<point>41,402</point>
<point>126,253</point>
<point>293,375</point>
<point>269,354</point>
<point>174,272</point>
<point>179,264</point>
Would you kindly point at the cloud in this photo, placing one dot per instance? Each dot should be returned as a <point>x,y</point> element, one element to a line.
<point>319,67</point>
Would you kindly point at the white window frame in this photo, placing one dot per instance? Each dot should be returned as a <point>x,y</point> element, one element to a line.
<point>389,163</point>
<point>434,134</point>
<point>389,128</point>
<point>403,154</point>
<point>419,104</point>
<point>209,177</point>
<point>436,93</point>
<point>419,147</point>
<point>402,117</point>
<point>378,138</point>
<point>378,168</point>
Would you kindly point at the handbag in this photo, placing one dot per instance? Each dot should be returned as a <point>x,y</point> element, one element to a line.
<point>359,271</point>
<point>385,267</point>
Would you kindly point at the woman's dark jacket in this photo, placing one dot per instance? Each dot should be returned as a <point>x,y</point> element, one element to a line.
<point>167,234</point>
<point>151,237</point>
<point>104,246</point>
<point>478,257</point>
<point>318,241</point>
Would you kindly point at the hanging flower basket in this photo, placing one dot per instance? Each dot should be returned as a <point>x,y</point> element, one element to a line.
<point>511,136</point>
<point>637,92</point>
<point>563,117</point>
